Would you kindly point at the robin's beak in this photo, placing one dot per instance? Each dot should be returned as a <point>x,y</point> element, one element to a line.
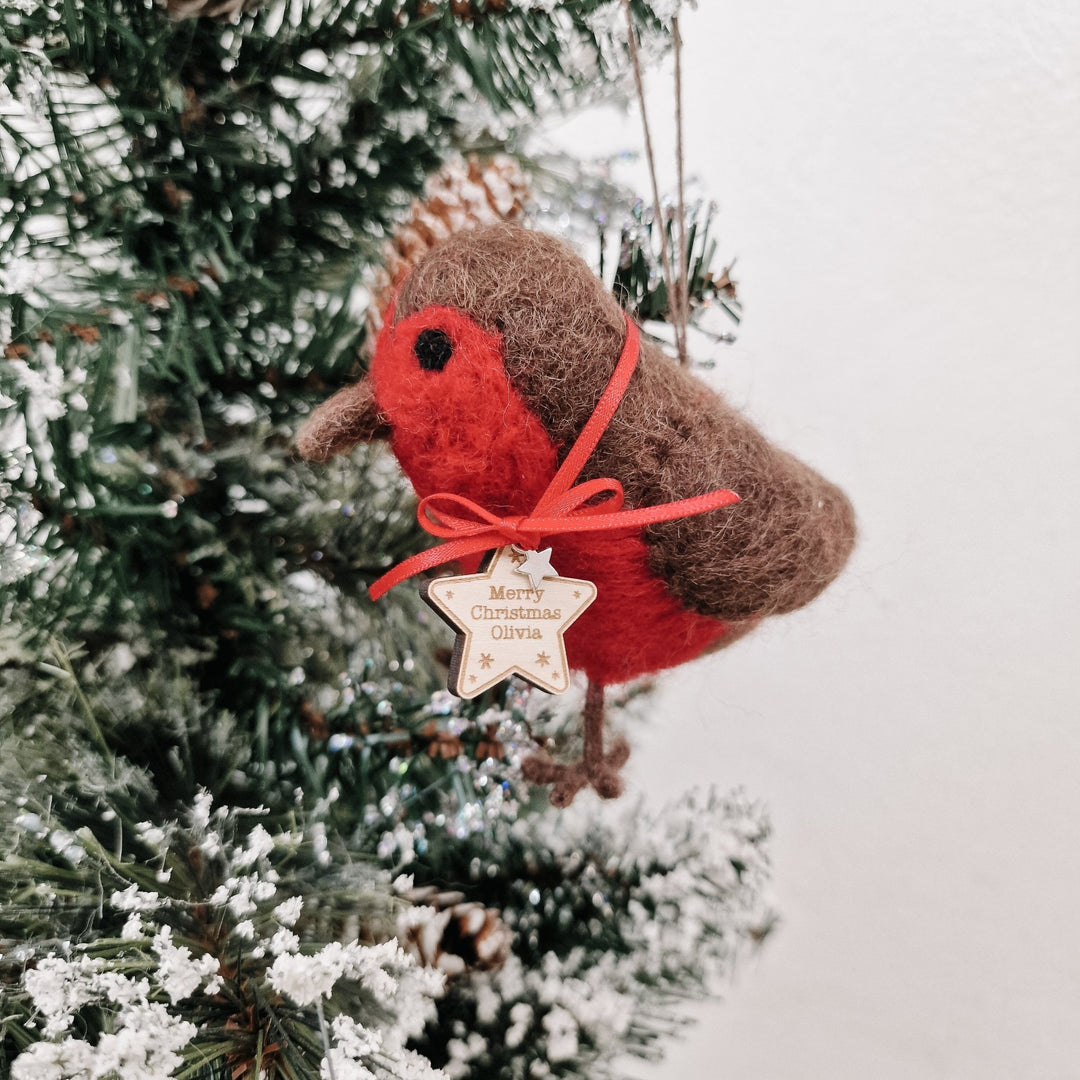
<point>339,423</point>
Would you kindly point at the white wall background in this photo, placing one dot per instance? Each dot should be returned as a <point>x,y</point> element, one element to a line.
<point>901,185</point>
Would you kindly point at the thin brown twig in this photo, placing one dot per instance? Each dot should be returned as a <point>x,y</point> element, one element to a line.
<point>683,305</point>
<point>665,256</point>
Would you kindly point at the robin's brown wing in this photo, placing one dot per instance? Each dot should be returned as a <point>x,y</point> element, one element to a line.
<point>774,550</point>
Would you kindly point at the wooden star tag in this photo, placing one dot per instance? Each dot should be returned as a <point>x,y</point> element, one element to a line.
<point>507,624</point>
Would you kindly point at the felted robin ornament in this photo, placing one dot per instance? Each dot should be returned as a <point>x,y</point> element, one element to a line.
<point>505,373</point>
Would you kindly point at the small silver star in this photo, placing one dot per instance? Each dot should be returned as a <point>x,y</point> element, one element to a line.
<point>537,566</point>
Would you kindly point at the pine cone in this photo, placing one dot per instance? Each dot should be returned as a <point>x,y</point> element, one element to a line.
<point>446,932</point>
<point>461,196</point>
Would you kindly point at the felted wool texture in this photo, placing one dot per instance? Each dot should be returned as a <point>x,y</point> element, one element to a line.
<point>342,421</point>
<point>634,626</point>
<point>464,429</point>
<point>671,438</point>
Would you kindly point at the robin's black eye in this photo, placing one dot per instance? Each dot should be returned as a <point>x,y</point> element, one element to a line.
<point>433,348</point>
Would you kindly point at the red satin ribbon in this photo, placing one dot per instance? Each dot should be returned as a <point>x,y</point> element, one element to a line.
<point>561,509</point>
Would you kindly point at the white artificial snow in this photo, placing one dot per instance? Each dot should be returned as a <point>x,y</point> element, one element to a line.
<point>200,812</point>
<point>241,904</point>
<point>415,1002</point>
<point>463,1051</point>
<point>562,1035</point>
<point>151,834</point>
<point>179,973</point>
<point>306,979</point>
<point>259,844</point>
<point>338,1066</point>
<point>145,1045</point>
<point>418,915</point>
<point>63,843</point>
<point>120,989</point>
<point>133,928</point>
<point>319,844</point>
<point>121,658</point>
<point>288,911</point>
<point>284,941</point>
<point>45,387</point>
<point>134,899</point>
<point>32,823</point>
<point>58,987</point>
<point>71,1059</point>
<point>353,1038</point>
<point>243,894</point>
<point>521,1017</point>
<point>688,912</point>
<point>143,1039</point>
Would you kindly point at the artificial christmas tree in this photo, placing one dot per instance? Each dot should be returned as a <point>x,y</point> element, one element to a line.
<point>217,757</point>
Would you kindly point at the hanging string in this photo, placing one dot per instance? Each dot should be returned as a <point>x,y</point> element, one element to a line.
<point>665,255</point>
<point>683,313</point>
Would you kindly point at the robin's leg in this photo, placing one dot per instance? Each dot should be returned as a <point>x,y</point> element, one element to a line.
<point>596,768</point>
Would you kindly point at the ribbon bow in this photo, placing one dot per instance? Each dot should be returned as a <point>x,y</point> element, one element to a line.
<point>564,507</point>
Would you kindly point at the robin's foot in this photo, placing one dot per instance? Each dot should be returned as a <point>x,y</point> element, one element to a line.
<point>595,769</point>
<point>601,773</point>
